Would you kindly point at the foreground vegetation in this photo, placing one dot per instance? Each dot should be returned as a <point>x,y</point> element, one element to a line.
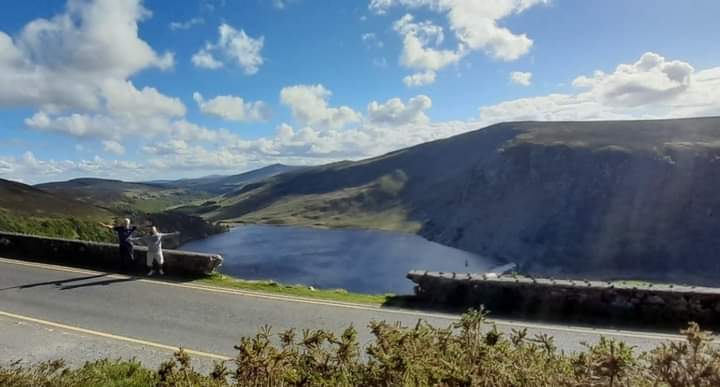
<point>69,228</point>
<point>464,354</point>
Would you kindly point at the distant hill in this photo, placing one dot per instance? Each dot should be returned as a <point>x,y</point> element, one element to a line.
<point>637,198</point>
<point>30,210</point>
<point>22,199</point>
<point>118,195</point>
<point>75,209</point>
<point>220,184</point>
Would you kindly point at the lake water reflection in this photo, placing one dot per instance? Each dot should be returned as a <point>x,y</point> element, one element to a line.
<point>356,260</point>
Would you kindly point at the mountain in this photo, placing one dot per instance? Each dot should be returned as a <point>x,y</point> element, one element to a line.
<point>29,210</point>
<point>220,184</point>
<point>639,199</point>
<point>22,199</point>
<point>118,195</point>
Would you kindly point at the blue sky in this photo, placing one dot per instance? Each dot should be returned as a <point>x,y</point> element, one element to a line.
<point>154,89</point>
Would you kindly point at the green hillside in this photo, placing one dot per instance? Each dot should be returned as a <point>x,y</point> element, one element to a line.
<point>30,210</point>
<point>75,210</point>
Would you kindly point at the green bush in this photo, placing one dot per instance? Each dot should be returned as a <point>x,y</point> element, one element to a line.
<point>463,354</point>
<point>70,228</point>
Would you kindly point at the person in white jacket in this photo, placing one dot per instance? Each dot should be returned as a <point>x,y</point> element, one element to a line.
<point>153,241</point>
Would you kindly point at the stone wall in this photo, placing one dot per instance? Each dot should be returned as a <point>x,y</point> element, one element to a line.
<point>615,300</point>
<point>100,255</point>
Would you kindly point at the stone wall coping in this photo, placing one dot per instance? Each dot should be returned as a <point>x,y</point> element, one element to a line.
<point>105,244</point>
<point>100,254</point>
<point>510,280</point>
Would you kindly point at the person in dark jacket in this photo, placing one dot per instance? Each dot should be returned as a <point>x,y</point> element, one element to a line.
<point>124,233</point>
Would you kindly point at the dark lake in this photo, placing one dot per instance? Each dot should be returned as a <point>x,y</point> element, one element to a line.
<point>356,260</point>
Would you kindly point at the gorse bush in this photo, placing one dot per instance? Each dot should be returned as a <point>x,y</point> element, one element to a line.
<point>466,353</point>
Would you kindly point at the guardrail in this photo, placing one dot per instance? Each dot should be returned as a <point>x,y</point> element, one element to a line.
<point>100,255</point>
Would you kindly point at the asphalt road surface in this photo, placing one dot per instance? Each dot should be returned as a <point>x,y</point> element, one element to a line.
<point>49,312</point>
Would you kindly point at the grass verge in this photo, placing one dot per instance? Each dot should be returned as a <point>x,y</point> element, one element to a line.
<point>341,295</point>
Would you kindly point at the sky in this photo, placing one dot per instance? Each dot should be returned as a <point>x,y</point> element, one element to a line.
<point>142,90</point>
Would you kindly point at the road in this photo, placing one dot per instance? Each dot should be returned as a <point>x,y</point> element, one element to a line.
<point>49,311</point>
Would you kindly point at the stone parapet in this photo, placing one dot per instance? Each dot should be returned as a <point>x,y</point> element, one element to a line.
<point>100,255</point>
<point>617,300</point>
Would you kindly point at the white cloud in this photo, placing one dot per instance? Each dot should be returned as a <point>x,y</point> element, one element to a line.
<point>234,45</point>
<point>123,98</point>
<point>309,145</point>
<point>62,62</point>
<point>233,108</point>
<point>652,87</point>
<point>380,7</point>
<point>309,105</point>
<point>395,112</point>
<point>475,25</point>
<point>113,147</point>
<point>418,52</point>
<point>33,170</point>
<point>186,25</point>
<point>281,4</point>
<point>74,69</point>
<point>521,78</point>
<point>420,79</point>
<point>188,131</point>
<point>199,158</point>
<point>120,128</point>
<point>170,147</point>
<point>206,60</point>
<point>77,125</point>
<point>371,40</point>
<point>650,79</point>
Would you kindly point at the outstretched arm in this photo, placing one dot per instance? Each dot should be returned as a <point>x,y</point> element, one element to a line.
<point>106,225</point>
<point>170,234</point>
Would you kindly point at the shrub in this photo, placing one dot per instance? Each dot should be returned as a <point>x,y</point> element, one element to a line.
<point>70,228</point>
<point>466,353</point>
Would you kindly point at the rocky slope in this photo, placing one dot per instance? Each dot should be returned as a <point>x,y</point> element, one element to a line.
<point>636,199</point>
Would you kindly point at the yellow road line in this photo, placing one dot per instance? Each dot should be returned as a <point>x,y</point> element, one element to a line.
<point>238,292</point>
<point>112,336</point>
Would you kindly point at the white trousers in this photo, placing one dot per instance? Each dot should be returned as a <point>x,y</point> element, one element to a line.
<point>157,257</point>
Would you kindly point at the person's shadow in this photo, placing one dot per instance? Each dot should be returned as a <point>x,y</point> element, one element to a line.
<point>98,283</point>
<point>61,283</point>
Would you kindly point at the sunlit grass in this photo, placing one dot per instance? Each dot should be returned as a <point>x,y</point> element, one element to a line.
<point>341,295</point>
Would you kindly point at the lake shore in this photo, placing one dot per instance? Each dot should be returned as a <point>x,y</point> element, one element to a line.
<point>363,261</point>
